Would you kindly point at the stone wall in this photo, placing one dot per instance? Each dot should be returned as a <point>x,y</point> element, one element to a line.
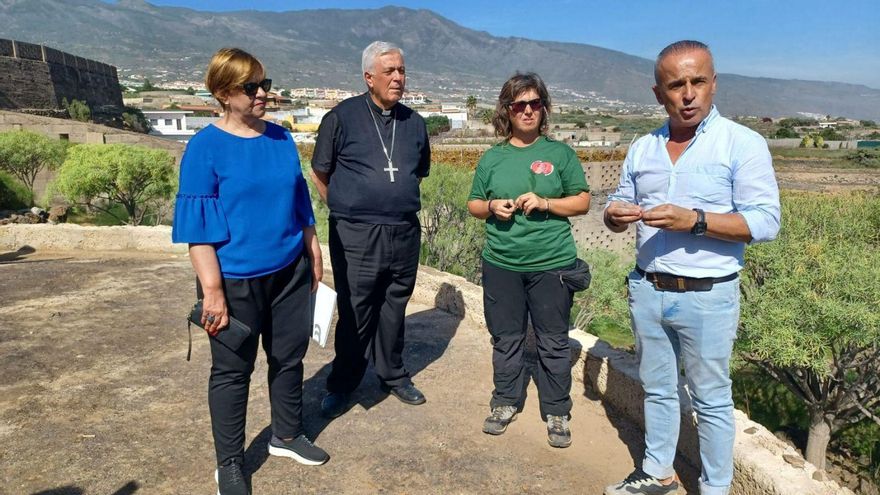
<point>588,230</point>
<point>39,77</point>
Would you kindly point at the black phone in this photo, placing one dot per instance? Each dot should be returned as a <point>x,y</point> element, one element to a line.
<point>232,336</point>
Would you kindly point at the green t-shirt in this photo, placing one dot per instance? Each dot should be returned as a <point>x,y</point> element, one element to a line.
<point>539,241</point>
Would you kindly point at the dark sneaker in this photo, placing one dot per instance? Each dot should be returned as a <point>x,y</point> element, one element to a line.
<point>641,483</point>
<point>558,433</point>
<point>299,449</point>
<point>230,480</point>
<point>498,420</point>
<point>408,393</point>
<point>334,404</point>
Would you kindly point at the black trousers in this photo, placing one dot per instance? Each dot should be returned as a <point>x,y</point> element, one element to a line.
<point>374,269</point>
<point>277,307</point>
<point>508,299</point>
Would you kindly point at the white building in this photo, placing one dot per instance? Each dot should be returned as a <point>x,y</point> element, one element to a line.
<point>169,123</point>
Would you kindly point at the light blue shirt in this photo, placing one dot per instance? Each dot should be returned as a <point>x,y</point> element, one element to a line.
<point>726,168</point>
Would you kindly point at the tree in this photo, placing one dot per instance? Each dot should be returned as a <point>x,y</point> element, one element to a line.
<point>134,119</point>
<point>190,90</point>
<point>24,154</point>
<point>148,86</point>
<point>105,175</point>
<point>829,134</point>
<point>867,123</point>
<point>287,125</point>
<point>437,124</point>
<point>785,133</point>
<point>471,105</point>
<point>285,93</point>
<point>486,115</point>
<point>810,315</point>
<point>77,109</point>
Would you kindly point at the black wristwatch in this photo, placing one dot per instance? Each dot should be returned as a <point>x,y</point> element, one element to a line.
<point>699,227</point>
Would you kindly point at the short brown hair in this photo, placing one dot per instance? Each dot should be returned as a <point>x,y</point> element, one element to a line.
<point>229,69</point>
<point>514,86</point>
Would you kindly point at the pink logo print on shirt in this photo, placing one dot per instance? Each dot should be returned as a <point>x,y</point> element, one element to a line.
<point>539,167</point>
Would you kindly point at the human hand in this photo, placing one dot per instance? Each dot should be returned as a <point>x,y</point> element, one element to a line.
<point>623,213</point>
<point>670,217</point>
<point>317,273</point>
<point>215,314</point>
<point>529,202</point>
<point>503,209</point>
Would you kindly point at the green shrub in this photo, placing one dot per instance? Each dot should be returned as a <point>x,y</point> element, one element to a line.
<point>13,194</point>
<point>603,309</point>
<point>103,176</point>
<point>452,240</point>
<point>77,109</point>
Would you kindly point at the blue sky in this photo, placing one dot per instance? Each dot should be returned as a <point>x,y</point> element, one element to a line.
<point>806,39</point>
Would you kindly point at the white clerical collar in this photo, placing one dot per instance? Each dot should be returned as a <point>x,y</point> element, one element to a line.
<point>381,111</point>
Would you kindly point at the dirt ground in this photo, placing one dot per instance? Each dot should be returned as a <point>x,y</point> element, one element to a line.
<point>96,397</point>
<point>804,177</point>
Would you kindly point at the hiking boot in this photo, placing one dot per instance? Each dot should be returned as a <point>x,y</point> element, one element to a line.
<point>230,480</point>
<point>299,449</point>
<point>498,420</point>
<point>334,405</point>
<point>641,483</point>
<point>408,394</point>
<point>558,433</point>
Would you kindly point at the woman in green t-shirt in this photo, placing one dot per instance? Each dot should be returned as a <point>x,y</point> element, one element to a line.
<point>526,187</point>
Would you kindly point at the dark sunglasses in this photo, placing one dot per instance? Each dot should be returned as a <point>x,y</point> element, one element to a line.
<point>520,106</point>
<point>250,88</point>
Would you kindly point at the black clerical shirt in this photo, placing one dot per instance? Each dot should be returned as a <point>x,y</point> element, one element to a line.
<point>349,149</point>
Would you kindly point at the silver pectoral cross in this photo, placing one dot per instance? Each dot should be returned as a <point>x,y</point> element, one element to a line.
<point>391,170</point>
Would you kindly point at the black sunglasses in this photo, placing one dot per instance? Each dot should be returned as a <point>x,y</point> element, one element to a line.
<point>520,106</point>
<point>250,88</point>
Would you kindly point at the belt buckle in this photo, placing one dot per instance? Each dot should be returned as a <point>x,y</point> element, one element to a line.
<point>670,283</point>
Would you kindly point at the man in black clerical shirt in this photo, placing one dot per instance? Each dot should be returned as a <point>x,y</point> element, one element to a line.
<point>369,159</point>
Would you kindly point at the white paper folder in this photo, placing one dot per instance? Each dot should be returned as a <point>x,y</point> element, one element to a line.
<point>323,306</point>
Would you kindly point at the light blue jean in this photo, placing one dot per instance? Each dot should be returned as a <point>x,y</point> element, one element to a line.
<point>696,329</point>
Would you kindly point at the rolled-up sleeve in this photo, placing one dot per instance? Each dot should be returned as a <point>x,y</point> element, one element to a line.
<point>198,211</point>
<point>756,194</point>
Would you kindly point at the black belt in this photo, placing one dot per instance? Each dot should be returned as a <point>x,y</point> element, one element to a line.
<point>675,283</point>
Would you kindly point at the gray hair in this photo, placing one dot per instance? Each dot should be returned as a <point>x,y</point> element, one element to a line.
<point>375,50</point>
<point>680,47</point>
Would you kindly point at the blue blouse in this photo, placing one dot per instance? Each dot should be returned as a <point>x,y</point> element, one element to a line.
<point>246,196</point>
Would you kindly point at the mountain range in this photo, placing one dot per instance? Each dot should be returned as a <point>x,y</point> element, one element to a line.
<point>322,48</point>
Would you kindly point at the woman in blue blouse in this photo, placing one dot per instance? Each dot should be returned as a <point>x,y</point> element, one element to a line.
<point>244,208</point>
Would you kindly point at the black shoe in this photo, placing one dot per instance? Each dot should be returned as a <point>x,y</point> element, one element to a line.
<point>299,449</point>
<point>408,393</point>
<point>230,480</point>
<point>334,404</point>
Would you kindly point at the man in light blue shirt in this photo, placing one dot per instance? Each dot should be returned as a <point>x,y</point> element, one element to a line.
<point>698,189</point>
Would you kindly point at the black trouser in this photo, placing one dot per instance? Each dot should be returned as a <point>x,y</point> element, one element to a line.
<point>276,306</point>
<point>374,269</point>
<point>508,297</point>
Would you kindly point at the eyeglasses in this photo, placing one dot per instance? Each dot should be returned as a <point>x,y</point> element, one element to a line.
<point>520,106</point>
<point>250,88</point>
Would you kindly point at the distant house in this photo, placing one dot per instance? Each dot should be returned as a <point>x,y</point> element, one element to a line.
<point>457,117</point>
<point>169,124</point>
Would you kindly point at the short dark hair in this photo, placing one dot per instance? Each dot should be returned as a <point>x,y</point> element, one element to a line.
<point>514,86</point>
<point>680,47</point>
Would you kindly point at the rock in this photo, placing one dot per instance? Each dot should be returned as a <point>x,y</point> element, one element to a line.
<point>795,460</point>
<point>57,214</point>
<point>820,475</point>
<point>751,430</point>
